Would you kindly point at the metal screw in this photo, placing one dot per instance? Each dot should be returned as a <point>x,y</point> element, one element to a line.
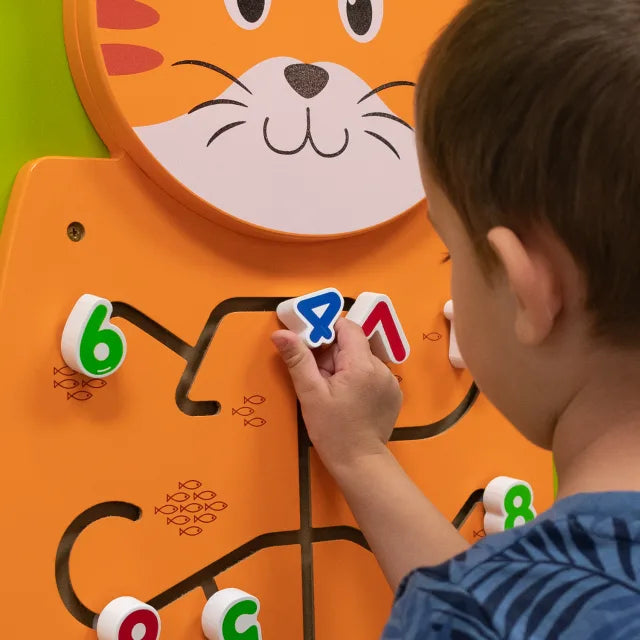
<point>75,231</point>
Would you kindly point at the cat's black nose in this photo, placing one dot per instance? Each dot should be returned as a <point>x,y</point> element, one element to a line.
<point>306,80</point>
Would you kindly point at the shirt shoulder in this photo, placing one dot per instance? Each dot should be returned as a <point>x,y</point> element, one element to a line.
<point>434,608</point>
<point>574,571</point>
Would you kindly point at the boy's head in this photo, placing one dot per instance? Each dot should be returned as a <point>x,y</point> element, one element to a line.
<point>528,125</point>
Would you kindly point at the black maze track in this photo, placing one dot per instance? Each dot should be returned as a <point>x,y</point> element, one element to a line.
<point>194,355</point>
<point>205,578</point>
<point>304,537</point>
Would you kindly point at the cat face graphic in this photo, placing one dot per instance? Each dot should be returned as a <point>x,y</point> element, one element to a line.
<point>295,117</point>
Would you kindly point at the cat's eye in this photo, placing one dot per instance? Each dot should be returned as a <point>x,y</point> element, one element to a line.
<point>248,14</point>
<point>361,18</point>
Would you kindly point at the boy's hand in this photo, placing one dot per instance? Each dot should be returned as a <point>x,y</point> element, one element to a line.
<point>350,400</point>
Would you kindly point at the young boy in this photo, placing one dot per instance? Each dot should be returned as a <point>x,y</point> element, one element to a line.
<point>528,128</point>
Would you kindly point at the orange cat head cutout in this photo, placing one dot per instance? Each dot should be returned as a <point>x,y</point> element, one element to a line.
<point>293,116</point>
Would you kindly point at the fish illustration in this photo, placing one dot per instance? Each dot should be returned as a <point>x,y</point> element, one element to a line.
<point>191,485</point>
<point>181,496</point>
<point>194,507</point>
<point>191,531</point>
<point>67,383</point>
<point>167,509</point>
<point>94,384</point>
<point>216,506</point>
<point>398,378</point>
<point>82,396</point>
<point>205,495</point>
<point>255,422</point>
<point>179,520</point>
<point>243,411</point>
<point>434,336</point>
<point>206,518</point>
<point>480,534</point>
<point>254,399</point>
<point>64,371</point>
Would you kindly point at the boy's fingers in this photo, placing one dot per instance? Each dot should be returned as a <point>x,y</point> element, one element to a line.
<point>354,346</point>
<point>325,358</point>
<point>299,360</point>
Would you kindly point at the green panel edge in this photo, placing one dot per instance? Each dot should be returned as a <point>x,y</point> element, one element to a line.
<point>40,112</point>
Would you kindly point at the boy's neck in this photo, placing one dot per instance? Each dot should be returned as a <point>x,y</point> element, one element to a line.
<point>596,443</point>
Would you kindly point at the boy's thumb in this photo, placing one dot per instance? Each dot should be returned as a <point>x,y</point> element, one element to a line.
<point>299,360</point>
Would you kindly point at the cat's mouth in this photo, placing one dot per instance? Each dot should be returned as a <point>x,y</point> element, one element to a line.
<point>308,139</point>
<point>313,138</point>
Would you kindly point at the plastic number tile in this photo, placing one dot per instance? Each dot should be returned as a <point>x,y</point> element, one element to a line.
<point>231,614</point>
<point>455,357</point>
<point>508,503</point>
<point>313,316</point>
<point>375,313</point>
<point>90,343</point>
<point>128,619</point>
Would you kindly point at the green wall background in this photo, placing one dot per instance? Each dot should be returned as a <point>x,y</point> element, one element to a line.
<point>40,112</point>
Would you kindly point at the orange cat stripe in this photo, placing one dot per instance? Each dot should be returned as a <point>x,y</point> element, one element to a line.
<point>125,14</point>
<point>129,59</point>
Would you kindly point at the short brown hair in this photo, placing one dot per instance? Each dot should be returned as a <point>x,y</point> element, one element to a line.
<point>528,112</point>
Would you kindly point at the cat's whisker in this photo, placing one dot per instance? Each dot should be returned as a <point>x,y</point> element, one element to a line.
<point>384,87</point>
<point>213,67</point>
<point>224,129</point>
<point>384,141</point>
<point>390,116</point>
<point>213,103</point>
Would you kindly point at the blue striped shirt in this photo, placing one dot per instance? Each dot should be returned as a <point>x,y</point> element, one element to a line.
<point>574,572</point>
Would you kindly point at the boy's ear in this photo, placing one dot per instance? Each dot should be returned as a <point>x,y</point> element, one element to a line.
<point>533,283</point>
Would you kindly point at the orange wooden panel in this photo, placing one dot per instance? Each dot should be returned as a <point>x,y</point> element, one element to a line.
<point>109,485</point>
<point>131,444</point>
